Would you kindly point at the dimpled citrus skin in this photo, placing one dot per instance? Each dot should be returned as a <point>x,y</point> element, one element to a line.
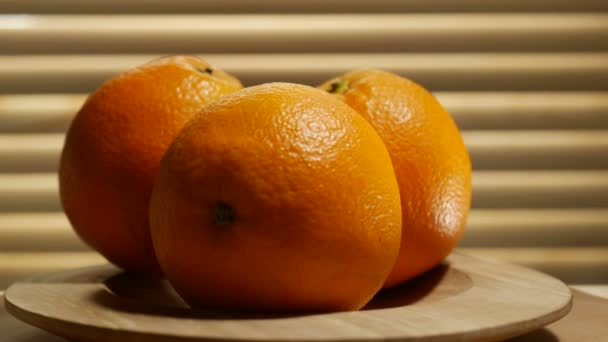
<point>113,149</point>
<point>429,157</point>
<point>316,216</point>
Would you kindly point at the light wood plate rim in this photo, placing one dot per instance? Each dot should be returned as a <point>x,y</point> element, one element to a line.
<point>504,301</point>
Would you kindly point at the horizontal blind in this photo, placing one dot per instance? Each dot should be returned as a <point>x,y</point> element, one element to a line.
<point>472,110</point>
<point>471,71</point>
<point>491,189</point>
<point>310,33</point>
<point>493,150</point>
<point>526,81</point>
<point>309,6</point>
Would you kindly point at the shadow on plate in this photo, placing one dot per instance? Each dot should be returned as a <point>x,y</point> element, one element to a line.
<point>540,335</point>
<point>436,284</point>
<point>139,294</point>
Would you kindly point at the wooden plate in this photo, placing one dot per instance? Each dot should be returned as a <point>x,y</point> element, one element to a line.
<point>464,299</point>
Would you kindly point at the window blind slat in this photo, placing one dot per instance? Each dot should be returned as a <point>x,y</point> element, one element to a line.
<point>506,150</point>
<point>51,231</point>
<point>303,33</point>
<point>540,189</point>
<point>488,150</point>
<point>491,189</point>
<point>536,228</point>
<point>308,6</point>
<point>19,265</point>
<point>21,113</point>
<point>438,72</point>
<point>38,232</point>
<point>582,265</point>
<point>526,110</point>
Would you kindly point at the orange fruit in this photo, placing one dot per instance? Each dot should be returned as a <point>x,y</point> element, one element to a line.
<point>431,162</point>
<point>113,149</point>
<point>277,198</point>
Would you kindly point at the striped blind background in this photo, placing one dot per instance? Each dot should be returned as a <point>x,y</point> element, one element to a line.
<point>526,81</point>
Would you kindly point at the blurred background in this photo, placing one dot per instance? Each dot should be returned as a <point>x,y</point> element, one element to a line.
<point>526,81</point>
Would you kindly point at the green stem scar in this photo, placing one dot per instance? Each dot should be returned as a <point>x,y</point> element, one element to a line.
<point>338,87</point>
<point>223,214</point>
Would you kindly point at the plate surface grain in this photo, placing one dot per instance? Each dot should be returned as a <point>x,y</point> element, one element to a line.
<point>464,299</point>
